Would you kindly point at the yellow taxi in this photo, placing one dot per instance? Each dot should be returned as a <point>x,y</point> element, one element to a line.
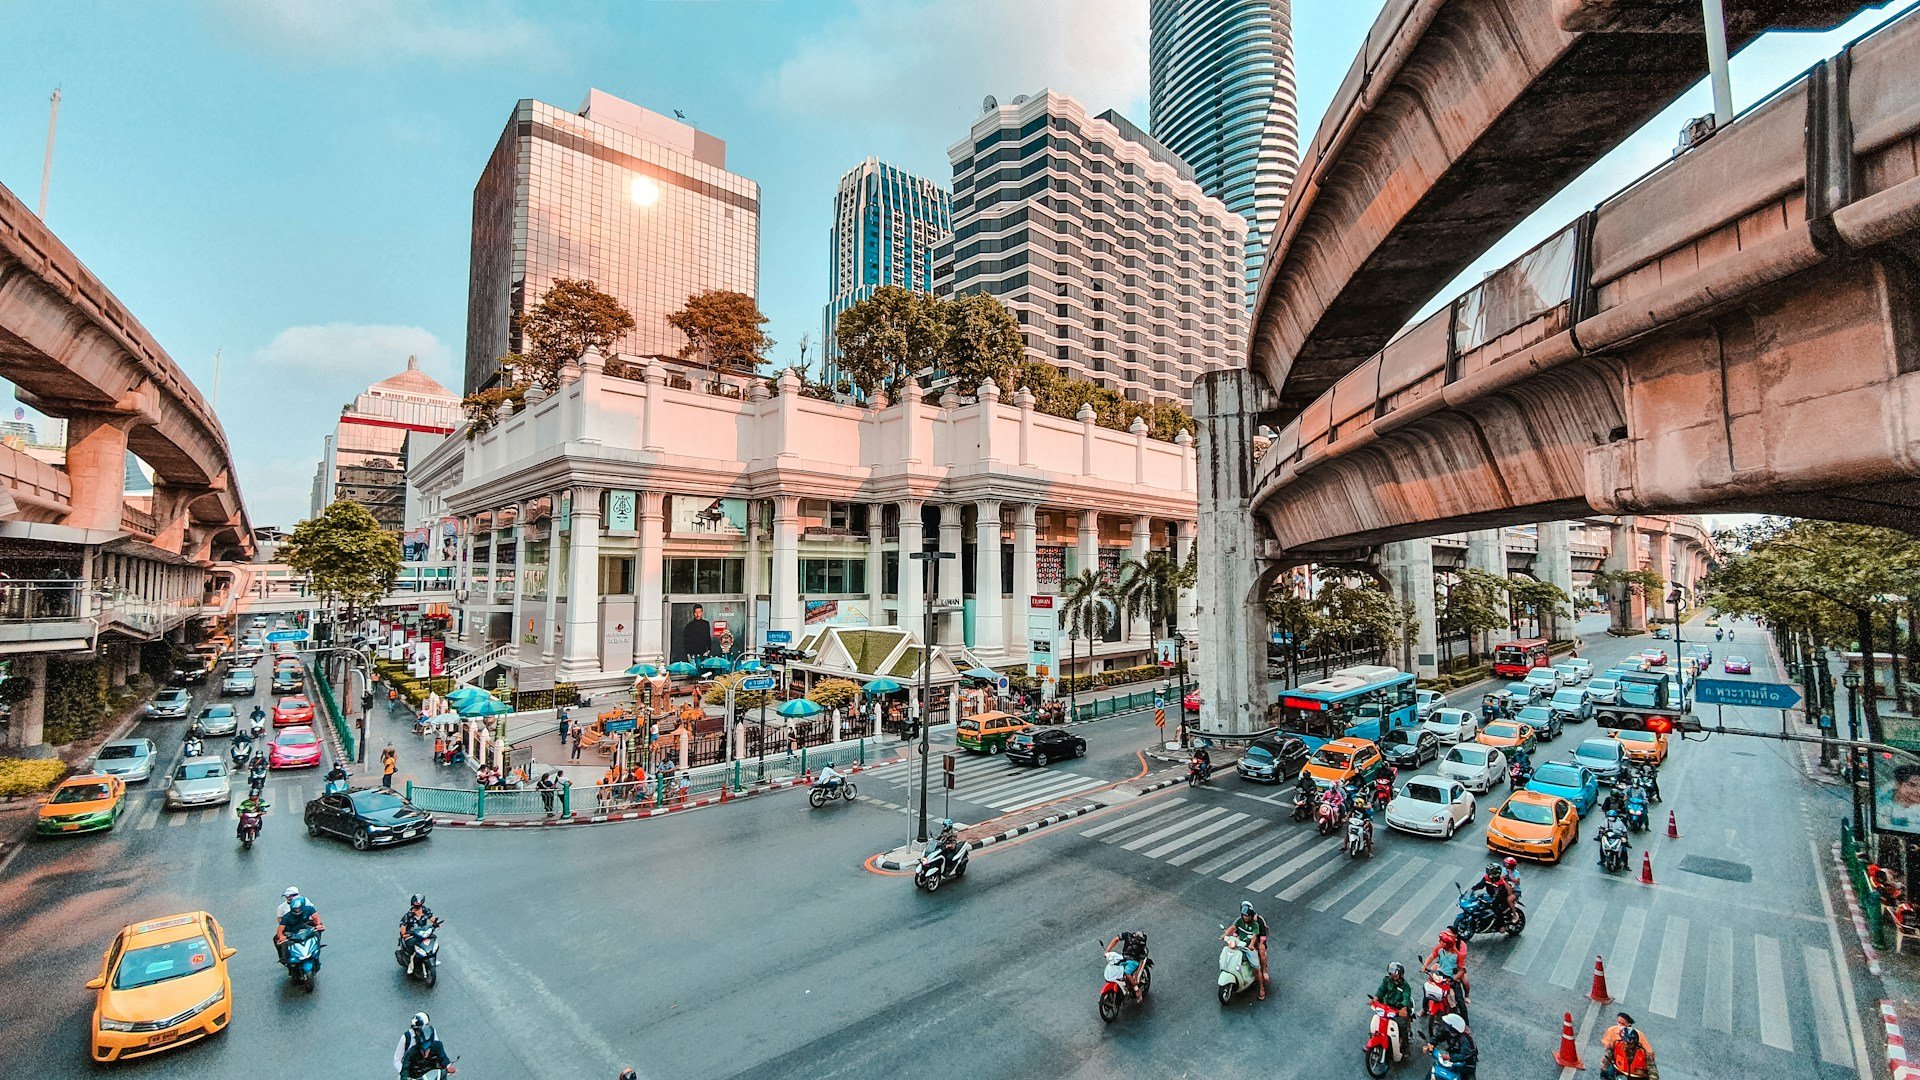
<point>1534,825</point>
<point>163,984</point>
<point>1341,760</point>
<point>988,732</point>
<point>1643,745</point>
<point>86,803</point>
<point>1506,735</point>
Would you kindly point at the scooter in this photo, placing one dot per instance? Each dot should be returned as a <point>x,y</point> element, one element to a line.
<point>192,747</point>
<point>1327,816</point>
<point>1385,1045</point>
<point>303,957</point>
<point>1518,775</point>
<point>1636,809</point>
<point>1359,833</point>
<point>938,867</point>
<point>1613,850</point>
<point>249,830</point>
<point>1237,973</point>
<point>240,752</point>
<point>1477,917</point>
<point>1444,1067</point>
<point>419,954</point>
<point>822,794</point>
<point>1302,806</point>
<point>1437,1002</point>
<point>1113,989</point>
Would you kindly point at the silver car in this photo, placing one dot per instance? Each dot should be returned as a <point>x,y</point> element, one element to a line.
<point>200,781</point>
<point>218,720</point>
<point>129,759</point>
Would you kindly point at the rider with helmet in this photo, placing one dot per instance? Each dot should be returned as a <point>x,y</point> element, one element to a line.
<point>296,913</point>
<point>1458,1043</point>
<point>417,914</point>
<point>1395,994</point>
<point>1253,929</point>
<point>1495,887</point>
<point>420,1050</point>
<point>1628,1056</point>
<point>1449,958</point>
<point>1510,868</point>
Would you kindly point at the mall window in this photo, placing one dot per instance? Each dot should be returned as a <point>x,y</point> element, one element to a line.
<point>705,577</point>
<point>616,575</point>
<point>833,576</point>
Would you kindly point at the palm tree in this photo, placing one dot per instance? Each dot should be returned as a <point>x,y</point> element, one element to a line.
<point>1084,613</point>
<point>1149,588</point>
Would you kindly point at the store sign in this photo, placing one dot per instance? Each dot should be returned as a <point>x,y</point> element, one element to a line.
<point>1039,603</point>
<point>620,510</point>
<point>436,657</point>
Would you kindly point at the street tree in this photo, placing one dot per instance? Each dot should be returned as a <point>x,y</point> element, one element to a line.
<point>1469,602</point>
<point>347,557</point>
<point>983,342</point>
<point>890,337</point>
<point>1621,586</point>
<point>573,315</point>
<point>1297,619</point>
<point>1086,610</point>
<point>1541,602</point>
<point>1358,618</point>
<point>723,330</point>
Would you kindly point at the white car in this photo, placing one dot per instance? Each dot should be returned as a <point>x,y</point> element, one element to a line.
<point>1570,675</point>
<point>1604,691</point>
<point>1545,678</point>
<point>1480,767</point>
<point>1430,805</point>
<point>1425,701</point>
<point>129,759</point>
<point>1581,664</point>
<point>1452,725</point>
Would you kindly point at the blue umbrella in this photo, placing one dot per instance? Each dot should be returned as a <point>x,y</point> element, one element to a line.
<point>750,664</point>
<point>716,663</point>
<point>985,673</point>
<point>682,668</point>
<point>647,670</point>
<point>800,707</point>
<point>882,685</point>
<point>461,694</point>
<point>483,707</point>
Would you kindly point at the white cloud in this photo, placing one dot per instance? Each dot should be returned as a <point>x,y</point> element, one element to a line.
<point>377,32</point>
<point>922,65</point>
<point>354,350</point>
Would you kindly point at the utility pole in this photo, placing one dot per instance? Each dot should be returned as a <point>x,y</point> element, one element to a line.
<point>1716,26</point>
<point>928,561</point>
<point>46,165</point>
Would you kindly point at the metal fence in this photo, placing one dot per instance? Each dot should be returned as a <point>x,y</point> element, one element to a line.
<point>1856,865</point>
<point>1114,706</point>
<point>481,803</point>
<point>331,704</point>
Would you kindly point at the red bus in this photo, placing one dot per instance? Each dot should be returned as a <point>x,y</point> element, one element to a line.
<point>1515,658</point>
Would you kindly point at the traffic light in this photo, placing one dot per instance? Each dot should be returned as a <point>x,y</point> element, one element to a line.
<point>1660,725</point>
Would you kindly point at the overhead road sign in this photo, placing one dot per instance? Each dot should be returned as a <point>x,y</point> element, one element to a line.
<point>287,635</point>
<point>1747,694</point>
<point>758,682</point>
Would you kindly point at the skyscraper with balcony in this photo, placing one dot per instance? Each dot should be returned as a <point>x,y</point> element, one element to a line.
<point>1222,97</point>
<point>640,204</point>
<point>1119,268</point>
<point>886,222</point>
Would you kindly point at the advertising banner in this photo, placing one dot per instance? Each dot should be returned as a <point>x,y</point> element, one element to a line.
<point>616,634</point>
<point>436,657</point>
<point>620,510</point>
<point>696,630</point>
<point>1896,792</point>
<point>836,613</point>
<point>699,515</point>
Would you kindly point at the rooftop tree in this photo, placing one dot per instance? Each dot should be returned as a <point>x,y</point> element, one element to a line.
<point>723,330</point>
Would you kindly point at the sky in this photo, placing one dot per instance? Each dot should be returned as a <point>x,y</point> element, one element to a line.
<point>288,183</point>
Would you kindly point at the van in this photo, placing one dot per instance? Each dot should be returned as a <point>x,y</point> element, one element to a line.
<point>988,732</point>
<point>1572,705</point>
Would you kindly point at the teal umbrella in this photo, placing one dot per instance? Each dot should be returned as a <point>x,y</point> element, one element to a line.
<point>986,673</point>
<point>682,668</point>
<point>716,663</point>
<point>749,664</point>
<point>460,695</point>
<point>647,670</point>
<point>881,685</point>
<point>800,707</point>
<point>483,707</point>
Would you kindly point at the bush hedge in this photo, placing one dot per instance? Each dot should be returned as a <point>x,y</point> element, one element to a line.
<point>19,776</point>
<point>76,699</point>
<point>1100,680</point>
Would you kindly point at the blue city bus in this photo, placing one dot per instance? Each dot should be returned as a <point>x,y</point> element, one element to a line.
<point>1354,702</point>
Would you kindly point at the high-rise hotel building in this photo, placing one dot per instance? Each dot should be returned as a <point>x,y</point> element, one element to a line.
<point>640,204</point>
<point>886,223</point>
<point>1119,268</point>
<point>1221,95</point>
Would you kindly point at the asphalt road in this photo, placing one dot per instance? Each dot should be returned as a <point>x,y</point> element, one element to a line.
<point>747,940</point>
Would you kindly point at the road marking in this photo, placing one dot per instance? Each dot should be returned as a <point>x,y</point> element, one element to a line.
<point>1316,848</point>
<point>1179,842</point>
<point>1579,946</point>
<point>1400,920</point>
<point>1131,818</point>
<point>1321,873</point>
<point>1169,830</point>
<point>1826,1006</point>
<point>1367,907</point>
<point>1010,786</point>
<point>1275,799</point>
<point>1352,882</point>
<point>1716,1007</point>
<point>1770,988</point>
<point>149,816</point>
<point>1046,794</point>
<point>177,818</point>
<point>1271,854</point>
<point>1539,929</point>
<point>1626,944</point>
<point>1666,976</point>
<point>1195,852</point>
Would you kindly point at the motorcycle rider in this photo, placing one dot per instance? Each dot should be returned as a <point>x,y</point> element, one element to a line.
<point>1397,995</point>
<point>1495,887</point>
<point>420,1050</point>
<point>829,779</point>
<point>1253,930</point>
<point>1629,1057</point>
<point>192,746</point>
<point>1459,1046</point>
<point>1132,947</point>
<point>1615,827</point>
<point>1510,868</point>
<point>258,718</point>
<point>1449,958</point>
<point>1304,789</point>
<point>417,914</point>
<point>300,914</point>
<point>336,778</point>
<point>250,805</point>
<point>1383,785</point>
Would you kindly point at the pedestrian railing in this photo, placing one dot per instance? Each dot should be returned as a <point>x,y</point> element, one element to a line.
<point>331,704</point>
<point>1855,860</point>
<point>482,803</point>
<point>1125,703</point>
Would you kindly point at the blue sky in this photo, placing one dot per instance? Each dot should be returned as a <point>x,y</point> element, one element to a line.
<point>290,181</point>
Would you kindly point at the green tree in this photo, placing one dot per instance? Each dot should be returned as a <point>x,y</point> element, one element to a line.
<point>1621,586</point>
<point>346,556</point>
<point>1469,602</point>
<point>830,693</point>
<point>1543,602</point>
<point>573,315</point>
<point>723,330</point>
<point>1358,618</point>
<point>1149,588</point>
<point>983,342</point>
<point>890,337</point>
<point>1086,610</point>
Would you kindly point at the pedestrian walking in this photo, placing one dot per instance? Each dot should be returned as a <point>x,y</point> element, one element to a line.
<point>439,748</point>
<point>546,786</point>
<point>389,763</point>
<point>578,735</point>
<point>565,724</point>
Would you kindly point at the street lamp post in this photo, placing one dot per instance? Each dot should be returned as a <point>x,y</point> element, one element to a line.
<point>1853,679</point>
<point>928,560</point>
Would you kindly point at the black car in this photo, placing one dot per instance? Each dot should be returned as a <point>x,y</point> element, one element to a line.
<point>1272,758</point>
<point>367,816</point>
<point>1413,747</point>
<point>190,674</point>
<point>1042,745</point>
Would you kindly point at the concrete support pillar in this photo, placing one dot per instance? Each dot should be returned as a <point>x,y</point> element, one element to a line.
<point>913,603</point>
<point>1089,548</point>
<point>1182,551</point>
<point>27,727</point>
<point>785,585</point>
<point>1139,632</point>
<point>756,575</point>
<point>1408,567</point>
<point>493,554</point>
<point>170,517</point>
<point>876,563</point>
<point>581,655</point>
<point>1629,606</point>
<point>950,577</point>
<point>650,569</point>
<point>1554,565</point>
<point>989,606</point>
<point>1660,557</point>
<point>97,467</point>
<point>1487,551</point>
<point>1232,663</point>
<point>550,609</point>
<point>520,580</point>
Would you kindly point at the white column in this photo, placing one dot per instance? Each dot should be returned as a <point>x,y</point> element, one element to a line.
<point>912,539</point>
<point>989,607</point>
<point>552,615</point>
<point>950,576</point>
<point>786,564</point>
<point>876,562</point>
<point>1182,551</point>
<point>1090,540</point>
<point>1554,565</point>
<point>1026,556</point>
<point>755,574</point>
<point>650,569</point>
<point>582,654</point>
<point>493,553</point>
<point>519,576</point>
<point>1138,630</point>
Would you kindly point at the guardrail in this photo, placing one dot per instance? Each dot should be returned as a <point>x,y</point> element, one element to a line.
<point>1869,898</point>
<point>479,803</point>
<point>328,702</point>
<point>36,600</point>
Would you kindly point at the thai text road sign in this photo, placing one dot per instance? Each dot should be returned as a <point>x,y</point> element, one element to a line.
<point>1750,694</point>
<point>758,682</point>
<point>779,637</point>
<point>287,635</point>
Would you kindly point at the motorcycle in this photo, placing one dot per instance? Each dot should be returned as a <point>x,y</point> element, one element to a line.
<point>1444,1067</point>
<point>1359,834</point>
<point>192,747</point>
<point>938,866</point>
<point>419,954</point>
<point>1636,813</point>
<point>1198,772</point>
<point>240,752</point>
<point>303,957</point>
<point>1518,775</point>
<point>1327,816</point>
<point>1648,778</point>
<point>1613,850</point>
<point>1437,1002</point>
<point>1113,987</point>
<point>250,822</point>
<point>1385,1044</point>
<point>1302,806</point>
<point>1477,917</point>
<point>822,794</point>
<point>1237,973</point>
<point>1382,792</point>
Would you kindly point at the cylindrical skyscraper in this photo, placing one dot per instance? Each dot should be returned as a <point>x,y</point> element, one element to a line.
<point>1222,98</point>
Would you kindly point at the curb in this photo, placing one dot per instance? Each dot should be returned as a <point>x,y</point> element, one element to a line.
<point>1896,1045</point>
<point>1859,916</point>
<point>638,815</point>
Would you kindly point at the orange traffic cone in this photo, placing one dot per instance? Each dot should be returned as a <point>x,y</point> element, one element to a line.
<point>1599,991</point>
<point>1568,1056</point>
<point>1646,868</point>
<point>1673,827</point>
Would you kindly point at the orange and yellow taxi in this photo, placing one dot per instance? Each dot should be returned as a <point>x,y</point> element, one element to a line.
<point>90,802</point>
<point>1534,825</point>
<point>1341,760</point>
<point>1643,745</point>
<point>163,983</point>
<point>1506,735</point>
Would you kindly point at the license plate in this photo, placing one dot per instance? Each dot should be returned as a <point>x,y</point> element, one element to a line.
<point>162,1038</point>
<point>68,828</point>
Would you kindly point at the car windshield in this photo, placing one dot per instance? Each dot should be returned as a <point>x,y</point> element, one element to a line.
<point>81,793</point>
<point>158,963</point>
<point>1736,660</point>
<point>293,703</point>
<point>1338,759</point>
<point>1468,755</point>
<point>1530,812</point>
<point>114,752</point>
<point>1397,737</point>
<point>372,802</point>
<point>1445,718</point>
<point>1259,753</point>
<point>1534,714</point>
<point>969,725</point>
<point>293,738</point>
<point>240,676</point>
<point>1021,740</point>
<point>1503,731</point>
<point>1423,793</point>
<point>1558,776</point>
<point>1634,736</point>
<point>1603,751</point>
<point>1521,689</point>
<point>200,770</point>
<point>174,697</point>
<point>1602,684</point>
<point>215,711</point>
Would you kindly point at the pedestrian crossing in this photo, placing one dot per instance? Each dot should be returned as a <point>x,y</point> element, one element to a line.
<point>991,781</point>
<point>286,799</point>
<point>1691,968</point>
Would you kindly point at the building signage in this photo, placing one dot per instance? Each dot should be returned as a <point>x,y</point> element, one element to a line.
<point>620,510</point>
<point>436,657</point>
<point>700,515</point>
<point>1040,603</point>
<point>779,637</point>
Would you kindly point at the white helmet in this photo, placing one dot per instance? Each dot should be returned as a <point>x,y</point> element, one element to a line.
<point>292,891</point>
<point>422,1020</point>
<point>1454,1022</point>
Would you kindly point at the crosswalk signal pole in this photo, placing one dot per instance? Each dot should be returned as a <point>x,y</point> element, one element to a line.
<point>928,560</point>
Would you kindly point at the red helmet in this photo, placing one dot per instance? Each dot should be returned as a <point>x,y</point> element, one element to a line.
<point>1512,863</point>
<point>1447,937</point>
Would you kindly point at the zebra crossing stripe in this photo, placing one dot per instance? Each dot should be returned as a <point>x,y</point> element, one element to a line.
<point>1626,943</point>
<point>1539,930</point>
<point>1352,882</point>
<point>1002,783</point>
<point>1163,833</point>
<point>1324,871</point>
<point>1827,1023</point>
<point>1285,870</point>
<point>1051,791</point>
<point>1198,850</point>
<point>1366,908</point>
<point>1129,819</point>
<point>1183,840</point>
<point>1716,1008</point>
<point>1271,854</point>
<point>1398,922</point>
<point>1666,976</point>
<point>1579,946</point>
<point>1770,990</point>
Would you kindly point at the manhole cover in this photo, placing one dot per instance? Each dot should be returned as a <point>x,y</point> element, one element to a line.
<point>1723,869</point>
